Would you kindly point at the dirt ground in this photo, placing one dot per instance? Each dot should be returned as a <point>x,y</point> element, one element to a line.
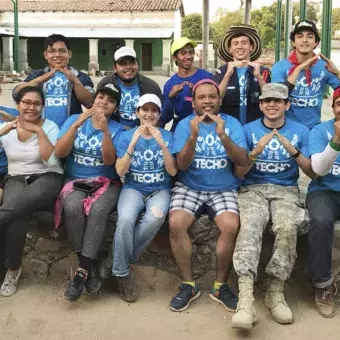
<point>39,311</point>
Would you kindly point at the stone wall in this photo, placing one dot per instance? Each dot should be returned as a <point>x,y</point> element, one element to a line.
<point>47,254</point>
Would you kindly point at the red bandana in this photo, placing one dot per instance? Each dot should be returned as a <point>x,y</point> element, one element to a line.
<point>336,93</point>
<point>295,61</point>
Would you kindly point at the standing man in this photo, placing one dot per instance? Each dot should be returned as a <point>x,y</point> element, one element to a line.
<point>306,75</point>
<point>241,79</point>
<point>132,84</point>
<point>278,148</point>
<point>208,145</point>
<point>65,88</point>
<point>178,89</point>
<point>323,203</point>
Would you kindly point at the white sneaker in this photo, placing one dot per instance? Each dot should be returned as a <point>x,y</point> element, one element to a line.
<point>9,286</point>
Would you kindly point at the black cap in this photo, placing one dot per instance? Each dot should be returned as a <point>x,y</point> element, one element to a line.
<point>305,25</point>
<point>111,89</point>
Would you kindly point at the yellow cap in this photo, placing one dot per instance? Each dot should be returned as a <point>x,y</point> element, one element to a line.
<point>180,43</point>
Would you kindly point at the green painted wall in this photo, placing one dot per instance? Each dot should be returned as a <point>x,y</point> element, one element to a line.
<point>35,53</point>
<point>157,50</point>
<point>80,53</point>
<point>106,50</point>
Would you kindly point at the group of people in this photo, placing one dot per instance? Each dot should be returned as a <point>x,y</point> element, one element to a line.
<point>238,141</point>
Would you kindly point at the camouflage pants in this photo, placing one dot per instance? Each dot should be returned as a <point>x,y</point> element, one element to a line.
<point>260,204</point>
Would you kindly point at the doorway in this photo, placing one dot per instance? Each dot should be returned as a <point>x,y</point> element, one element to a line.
<point>147,57</point>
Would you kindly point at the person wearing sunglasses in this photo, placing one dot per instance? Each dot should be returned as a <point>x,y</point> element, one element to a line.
<point>278,149</point>
<point>34,178</point>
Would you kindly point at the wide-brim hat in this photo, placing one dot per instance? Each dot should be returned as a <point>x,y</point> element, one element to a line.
<point>248,31</point>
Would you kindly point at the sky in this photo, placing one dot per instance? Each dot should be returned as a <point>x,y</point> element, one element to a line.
<point>195,6</point>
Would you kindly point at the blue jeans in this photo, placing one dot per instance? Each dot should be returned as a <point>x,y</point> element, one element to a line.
<point>132,238</point>
<point>324,211</point>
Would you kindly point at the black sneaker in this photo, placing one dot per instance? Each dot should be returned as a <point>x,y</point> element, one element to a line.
<point>224,296</point>
<point>75,287</point>
<point>127,288</point>
<point>93,283</point>
<point>183,298</point>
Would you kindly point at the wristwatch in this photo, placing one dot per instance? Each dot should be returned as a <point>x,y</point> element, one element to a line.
<point>297,154</point>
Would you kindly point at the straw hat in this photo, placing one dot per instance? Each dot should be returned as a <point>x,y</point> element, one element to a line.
<point>247,30</point>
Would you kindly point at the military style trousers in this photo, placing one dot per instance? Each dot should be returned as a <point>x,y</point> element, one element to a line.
<point>260,204</point>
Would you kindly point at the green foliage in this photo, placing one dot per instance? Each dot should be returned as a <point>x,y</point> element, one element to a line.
<point>264,19</point>
<point>222,21</point>
<point>335,20</point>
<point>192,26</point>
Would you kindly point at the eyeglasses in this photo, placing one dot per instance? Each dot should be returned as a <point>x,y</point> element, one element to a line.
<point>27,104</point>
<point>60,51</point>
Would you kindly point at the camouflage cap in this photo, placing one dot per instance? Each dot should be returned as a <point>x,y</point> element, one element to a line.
<point>274,90</point>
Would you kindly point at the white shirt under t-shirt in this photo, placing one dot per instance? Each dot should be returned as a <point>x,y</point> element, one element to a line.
<point>24,157</point>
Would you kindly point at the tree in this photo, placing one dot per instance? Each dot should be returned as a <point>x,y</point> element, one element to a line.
<point>264,19</point>
<point>192,26</point>
<point>335,21</point>
<point>223,19</point>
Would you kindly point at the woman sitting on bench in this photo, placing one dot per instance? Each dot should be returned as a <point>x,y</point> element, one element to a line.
<point>34,176</point>
<point>93,186</point>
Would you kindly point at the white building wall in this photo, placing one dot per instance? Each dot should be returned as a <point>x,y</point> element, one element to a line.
<point>89,20</point>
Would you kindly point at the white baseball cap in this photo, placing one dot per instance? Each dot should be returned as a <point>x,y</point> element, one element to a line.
<point>125,52</point>
<point>150,98</point>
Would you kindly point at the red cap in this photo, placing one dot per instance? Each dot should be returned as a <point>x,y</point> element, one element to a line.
<point>336,93</point>
<point>206,81</point>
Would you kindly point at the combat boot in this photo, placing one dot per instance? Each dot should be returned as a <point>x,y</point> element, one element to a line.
<point>245,314</point>
<point>276,302</point>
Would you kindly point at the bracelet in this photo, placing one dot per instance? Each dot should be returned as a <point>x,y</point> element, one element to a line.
<point>297,153</point>
<point>251,158</point>
<point>334,146</point>
<point>129,154</point>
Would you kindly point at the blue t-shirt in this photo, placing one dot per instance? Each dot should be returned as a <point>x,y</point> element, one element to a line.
<point>147,171</point>
<point>275,165</point>
<point>242,79</point>
<point>211,168</point>
<point>306,100</point>
<point>85,159</point>
<point>3,157</point>
<point>128,104</point>
<point>318,139</point>
<point>181,105</point>
<point>56,92</point>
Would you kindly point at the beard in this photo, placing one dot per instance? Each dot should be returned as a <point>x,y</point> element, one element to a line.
<point>127,80</point>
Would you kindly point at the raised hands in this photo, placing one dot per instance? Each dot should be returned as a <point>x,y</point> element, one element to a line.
<point>178,88</point>
<point>286,143</point>
<point>257,68</point>
<point>8,127</point>
<point>156,133</point>
<point>264,140</point>
<point>330,66</point>
<point>194,125</point>
<point>336,138</point>
<point>34,128</point>
<point>306,64</point>
<point>103,123</point>
<point>71,77</point>
<point>82,117</point>
<point>233,64</point>
<point>220,124</point>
